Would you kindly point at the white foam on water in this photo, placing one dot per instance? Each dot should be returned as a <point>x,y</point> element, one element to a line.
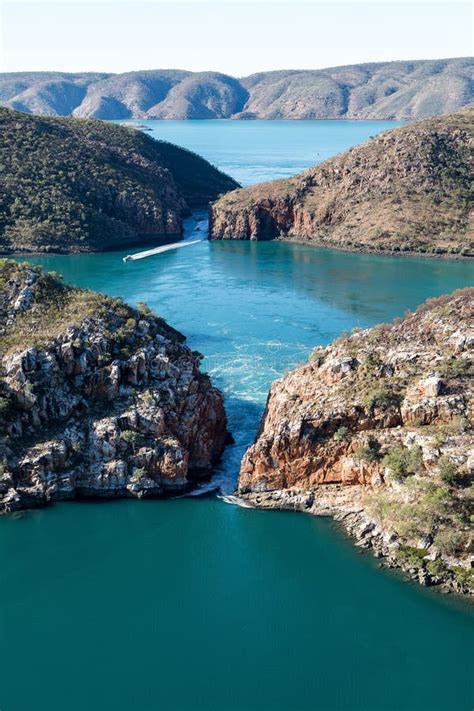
<point>235,501</point>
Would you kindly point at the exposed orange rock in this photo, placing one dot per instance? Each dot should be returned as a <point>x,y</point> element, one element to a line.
<point>407,190</point>
<point>374,424</point>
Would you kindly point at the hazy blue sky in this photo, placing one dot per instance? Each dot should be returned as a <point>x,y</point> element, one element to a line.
<point>233,37</point>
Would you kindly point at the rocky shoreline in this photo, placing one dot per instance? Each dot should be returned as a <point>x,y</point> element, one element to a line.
<point>339,504</point>
<point>378,252</point>
<point>377,432</point>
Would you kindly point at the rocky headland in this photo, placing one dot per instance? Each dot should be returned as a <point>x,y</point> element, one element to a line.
<point>377,90</point>
<point>407,190</point>
<point>377,431</point>
<point>97,399</point>
<point>70,185</point>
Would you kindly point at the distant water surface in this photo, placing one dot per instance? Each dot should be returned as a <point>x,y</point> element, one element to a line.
<point>195,604</point>
<point>254,151</point>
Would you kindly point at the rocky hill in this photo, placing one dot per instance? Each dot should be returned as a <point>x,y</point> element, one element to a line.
<point>70,185</point>
<point>407,190</point>
<point>96,399</point>
<point>383,90</point>
<point>377,430</point>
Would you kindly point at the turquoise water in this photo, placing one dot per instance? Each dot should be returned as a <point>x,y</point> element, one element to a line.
<point>254,151</point>
<point>196,604</point>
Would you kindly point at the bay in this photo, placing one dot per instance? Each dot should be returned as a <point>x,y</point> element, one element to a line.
<point>196,604</point>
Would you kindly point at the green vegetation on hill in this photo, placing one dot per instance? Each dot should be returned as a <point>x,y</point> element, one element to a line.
<point>407,190</point>
<point>78,185</point>
<point>51,308</point>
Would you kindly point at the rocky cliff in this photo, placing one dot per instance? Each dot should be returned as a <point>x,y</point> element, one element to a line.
<point>70,185</point>
<point>381,90</point>
<point>377,430</point>
<point>407,190</point>
<point>97,399</point>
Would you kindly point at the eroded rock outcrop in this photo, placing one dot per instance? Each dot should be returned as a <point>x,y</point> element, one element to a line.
<point>96,398</point>
<point>407,190</point>
<point>377,431</point>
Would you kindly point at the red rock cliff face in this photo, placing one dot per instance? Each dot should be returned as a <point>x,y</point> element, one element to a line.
<point>379,425</point>
<point>406,190</point>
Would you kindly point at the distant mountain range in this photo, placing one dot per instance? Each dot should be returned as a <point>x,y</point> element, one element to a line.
<point>383,90</point>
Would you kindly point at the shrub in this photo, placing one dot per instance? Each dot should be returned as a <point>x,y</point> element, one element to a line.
<point>371,361</point>
<point>369,452</point>
<point>144,309</point>
<point>449,541</point>
<point>455,367</point>
<point>464,576</point>
<point>436,567</point>
<point>341,434</point>
<point>139,473</point>
<point>381,397</point>
<point>411,556</point>
<point>317,356</point>
<point>146,396</point>
<point>403,461</point>
<point>130,437</point>
<point>448,471</point>
<point>4,405</point>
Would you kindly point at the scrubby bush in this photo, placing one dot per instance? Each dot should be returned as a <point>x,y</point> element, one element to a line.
<point>382,397</point>
<point>436,568</point>
<point>131,438</point>
<point>455,367</point>
<point>448,471</point>
<point>464,576</point>
<point>341,434</point>
<point>403,461</point>
<point>4,405</point>
<point>411,556</point>
<point>450,541</point>
<point>369,452</point>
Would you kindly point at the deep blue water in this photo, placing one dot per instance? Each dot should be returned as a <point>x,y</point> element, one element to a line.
<point>196,604</point>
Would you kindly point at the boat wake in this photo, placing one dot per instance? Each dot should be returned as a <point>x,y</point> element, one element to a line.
<point>198,223</point>
<point>159,250</point>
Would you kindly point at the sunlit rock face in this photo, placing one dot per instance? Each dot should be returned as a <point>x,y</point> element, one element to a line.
<point>96,399</point>
<point>407,190</point>
<point>377,430</point>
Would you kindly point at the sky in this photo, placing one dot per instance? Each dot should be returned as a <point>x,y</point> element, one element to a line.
<point>236,38</point>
